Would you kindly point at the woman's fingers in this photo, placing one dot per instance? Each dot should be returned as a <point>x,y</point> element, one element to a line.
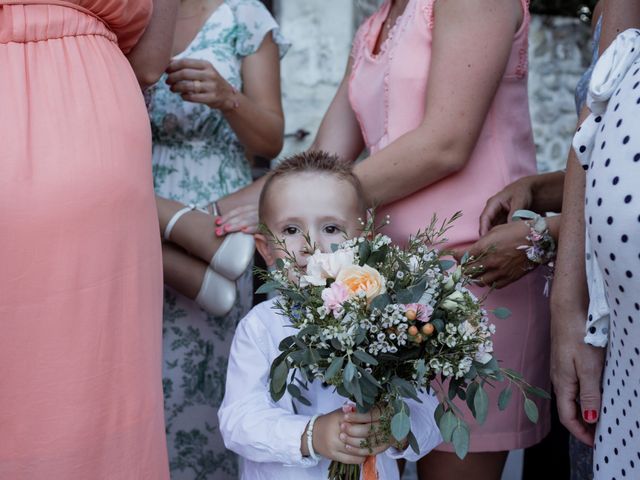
<point>187,63</point>
<point>492,214</point>
<point>187,74</point>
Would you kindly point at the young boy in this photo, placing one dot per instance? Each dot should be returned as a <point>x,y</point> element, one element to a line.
<point>312,194</point>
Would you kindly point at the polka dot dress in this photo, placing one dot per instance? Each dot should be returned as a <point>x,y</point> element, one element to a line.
<point>609,147</point>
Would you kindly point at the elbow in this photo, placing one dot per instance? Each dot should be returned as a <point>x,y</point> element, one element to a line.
<point>270,144</point>
<point>147,78</point>
<point>271,149</point>
<point>452,157</point>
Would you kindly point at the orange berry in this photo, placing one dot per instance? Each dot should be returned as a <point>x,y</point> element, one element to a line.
<point>413,330</point>
<point>427,329</point>
<point>410,314</point>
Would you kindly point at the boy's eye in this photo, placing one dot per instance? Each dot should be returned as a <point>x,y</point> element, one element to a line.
<point>290,230</point>
<point>332,229</point>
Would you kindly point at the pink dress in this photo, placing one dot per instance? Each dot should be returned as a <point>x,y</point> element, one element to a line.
<point>80,261</point>
<point>387,92</point>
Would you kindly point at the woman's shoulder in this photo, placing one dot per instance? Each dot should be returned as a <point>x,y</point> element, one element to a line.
<point>252,22</point>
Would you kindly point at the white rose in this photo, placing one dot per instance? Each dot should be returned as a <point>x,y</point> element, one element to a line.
<point>323,266</point>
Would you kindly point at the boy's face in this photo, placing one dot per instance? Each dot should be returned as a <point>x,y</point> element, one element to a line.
<point>319,205</point>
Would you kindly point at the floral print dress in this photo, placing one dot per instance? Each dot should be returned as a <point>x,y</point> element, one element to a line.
<point>197,158</point>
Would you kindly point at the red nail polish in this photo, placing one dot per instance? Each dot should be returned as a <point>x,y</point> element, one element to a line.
<point>590,415</point>
<point>218,221</point>
<point>218,231</point>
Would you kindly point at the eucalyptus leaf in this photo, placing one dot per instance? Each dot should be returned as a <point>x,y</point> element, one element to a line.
<point>465,258</point>
<point>446,264</point>
<point>295,392</point>
<point>364,250</point>
<point>349,372</point>
<point>531,409</point>
<point>481,404</point>
<point>413,443</point>
<point>380,302</point>
<point>334,367</point>
<point>502,313</point>
<point>471,392</point>
<point>370,378</point>
<point>365,357</point>
<point>406,389</point>
<point>268,287</point>
<point>400,425</point>
<point>278,380</point>
<point>537,392</point>
<point>404,296</point>
<point>279,263</point>
<point>439,412</point>
<point>460,439</point>
<point>504,398</point>
<point>286,343</point>
<point>448,422</point>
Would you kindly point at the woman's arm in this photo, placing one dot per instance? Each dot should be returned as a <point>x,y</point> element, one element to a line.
<point>617,16</point>
<point>258,121</point>
<point>471,46</point>
<point>151,55</point>
<point>255,114</point>
<point>576,367</point>
<point>339,131</point>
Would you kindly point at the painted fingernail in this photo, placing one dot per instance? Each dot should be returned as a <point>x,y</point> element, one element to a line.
<point>219,231</point>
<point>218,221</point>
<point>590,415</point>
<point>343,437</point>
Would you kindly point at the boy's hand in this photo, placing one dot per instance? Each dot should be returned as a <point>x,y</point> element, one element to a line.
<point>358,428</point>
<point>326,440</point>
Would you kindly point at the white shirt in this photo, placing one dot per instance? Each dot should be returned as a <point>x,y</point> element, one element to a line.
<point>267,434</point>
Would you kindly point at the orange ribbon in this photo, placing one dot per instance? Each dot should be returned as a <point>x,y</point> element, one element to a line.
<point>369,470</point>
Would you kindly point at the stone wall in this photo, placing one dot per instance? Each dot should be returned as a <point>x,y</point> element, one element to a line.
<point>321,32</point>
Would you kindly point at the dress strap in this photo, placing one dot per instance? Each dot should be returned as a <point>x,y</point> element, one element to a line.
<point>61,3</point>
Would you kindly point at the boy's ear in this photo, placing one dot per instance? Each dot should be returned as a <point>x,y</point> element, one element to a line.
<point>264,247</point>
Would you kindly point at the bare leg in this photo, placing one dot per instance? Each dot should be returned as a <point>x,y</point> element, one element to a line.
<point>195,231</point>
<point>182,271</point>
<point>475,466</point>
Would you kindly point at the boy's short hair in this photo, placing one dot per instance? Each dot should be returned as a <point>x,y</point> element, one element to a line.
<point>308,162</point>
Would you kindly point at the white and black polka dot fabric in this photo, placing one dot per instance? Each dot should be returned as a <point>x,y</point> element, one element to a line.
<point>608,145</point>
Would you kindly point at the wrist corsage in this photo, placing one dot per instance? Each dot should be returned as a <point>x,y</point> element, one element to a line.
<point>542,247</point>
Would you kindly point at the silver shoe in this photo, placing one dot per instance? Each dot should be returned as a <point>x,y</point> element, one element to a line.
<point>217,294</point>
<point>234,255</point>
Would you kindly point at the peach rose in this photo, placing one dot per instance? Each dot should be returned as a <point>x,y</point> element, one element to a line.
<point>362,279</point>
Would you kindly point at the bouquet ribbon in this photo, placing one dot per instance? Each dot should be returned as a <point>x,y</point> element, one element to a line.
<point>369,470</point>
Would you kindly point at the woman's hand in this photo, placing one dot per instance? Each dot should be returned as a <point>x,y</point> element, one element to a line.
<point>576,374</point>
<point>241,219</point>
<point>502,262</point>
<point>199,82</point>
<point>500,208</point>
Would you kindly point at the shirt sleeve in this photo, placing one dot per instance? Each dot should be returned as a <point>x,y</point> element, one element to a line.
<point>254,22</point>
<point>251,423</point>
<point>424,428</point>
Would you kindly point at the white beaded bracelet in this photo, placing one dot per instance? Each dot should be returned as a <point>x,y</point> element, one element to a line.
<point>312,452</point>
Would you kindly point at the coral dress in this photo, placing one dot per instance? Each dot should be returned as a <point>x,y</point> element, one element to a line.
<point>387,92</point>
<point>80,274</point>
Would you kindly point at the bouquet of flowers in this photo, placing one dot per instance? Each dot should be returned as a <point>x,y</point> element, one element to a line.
<point>381,323</point>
